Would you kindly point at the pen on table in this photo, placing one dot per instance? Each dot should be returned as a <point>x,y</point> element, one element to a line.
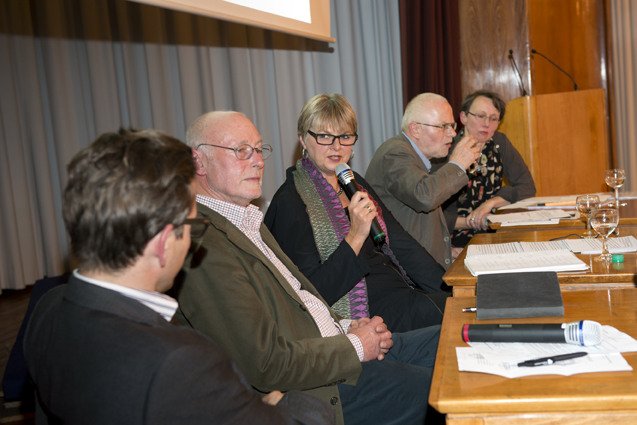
<point>556,204</point>
<point>544,361</point>
<point>469,310</point>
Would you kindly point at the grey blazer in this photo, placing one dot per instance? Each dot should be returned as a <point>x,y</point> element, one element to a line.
<point>413,195</point>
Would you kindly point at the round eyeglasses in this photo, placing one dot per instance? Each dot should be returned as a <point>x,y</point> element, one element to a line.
<point>482,117</point>
<point>451,126</point>
<point>245,151</point>
<point>329,139</point>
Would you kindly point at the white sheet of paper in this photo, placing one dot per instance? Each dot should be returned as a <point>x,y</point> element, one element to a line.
<point>524,262</point>
<point>594,246</point>
<point>470,360</point>
<point>531,223</point>
<point>529,202</point>
<point>528,216</point>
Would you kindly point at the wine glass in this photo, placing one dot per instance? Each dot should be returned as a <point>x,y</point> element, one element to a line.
<point>615,178</point>
<point>586,204</point>
<point>604,222</point>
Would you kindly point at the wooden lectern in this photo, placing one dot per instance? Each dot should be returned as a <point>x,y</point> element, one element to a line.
<point>563,138</point>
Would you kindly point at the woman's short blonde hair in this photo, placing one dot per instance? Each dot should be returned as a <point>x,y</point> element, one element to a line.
<point>327,110</point>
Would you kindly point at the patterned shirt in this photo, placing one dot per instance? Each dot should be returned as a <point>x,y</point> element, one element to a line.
<point>160,303</point>
<point>248,220</point>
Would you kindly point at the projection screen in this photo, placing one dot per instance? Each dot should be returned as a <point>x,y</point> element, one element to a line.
<point>306,18</point>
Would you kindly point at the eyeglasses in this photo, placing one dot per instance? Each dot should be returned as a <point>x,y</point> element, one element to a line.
<point>482,117</point>
<point>447,127</point>
<point>324,139</point>
<point>198,226</point>
<point>245,151</point>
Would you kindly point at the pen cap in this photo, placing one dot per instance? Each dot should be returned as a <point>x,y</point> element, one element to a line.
<point>584,332</point>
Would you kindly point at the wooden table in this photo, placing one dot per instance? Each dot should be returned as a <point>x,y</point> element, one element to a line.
<point>627,218</point>
<point>603,276</point>
<point>481,399</point>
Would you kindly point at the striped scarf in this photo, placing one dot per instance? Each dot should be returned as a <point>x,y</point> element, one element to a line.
<point>330,225</point>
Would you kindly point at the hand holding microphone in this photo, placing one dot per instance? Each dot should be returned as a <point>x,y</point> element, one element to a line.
<point>346,179</point>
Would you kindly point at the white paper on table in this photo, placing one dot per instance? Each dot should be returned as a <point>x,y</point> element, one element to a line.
<point>613,341</point>
<point>531,223</point>
<point>528,216</point>
<point>544,246</point>
<point>474,250</point>
<point>594,246</point>
<point>554,261</point>
<point>625,195</point>
<point>533,202</point>
<point>470,360</point>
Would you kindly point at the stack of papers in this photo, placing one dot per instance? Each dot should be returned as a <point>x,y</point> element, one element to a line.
<point>553,256</point>
<point>584,246</point>
<point>519,262</point>
<point>502,358</point>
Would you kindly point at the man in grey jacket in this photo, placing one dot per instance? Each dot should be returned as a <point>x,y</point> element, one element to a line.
<point>400,172</point>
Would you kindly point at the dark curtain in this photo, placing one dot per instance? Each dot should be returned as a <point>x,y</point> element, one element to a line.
<point>430,47</point>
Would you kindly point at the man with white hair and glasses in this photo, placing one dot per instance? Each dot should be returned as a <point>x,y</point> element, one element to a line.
<point>401,172</point>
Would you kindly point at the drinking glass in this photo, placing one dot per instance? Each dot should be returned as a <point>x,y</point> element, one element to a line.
<point>615,178</point>
<point>604,222</point>
<point>586,204</point>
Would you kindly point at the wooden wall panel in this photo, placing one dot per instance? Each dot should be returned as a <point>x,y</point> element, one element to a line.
<point>571,33</point>
<point>488,30</point>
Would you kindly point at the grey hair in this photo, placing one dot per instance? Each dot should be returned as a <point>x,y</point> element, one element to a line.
<point>414,107</point>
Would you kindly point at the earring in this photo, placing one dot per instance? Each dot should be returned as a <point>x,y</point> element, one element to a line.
<point>351,155</point>
<point>304,153</point>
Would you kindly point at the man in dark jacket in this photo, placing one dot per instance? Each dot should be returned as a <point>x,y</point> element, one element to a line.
<point>102,349</point>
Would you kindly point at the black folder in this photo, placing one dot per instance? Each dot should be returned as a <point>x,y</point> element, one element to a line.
<point>518,295</point>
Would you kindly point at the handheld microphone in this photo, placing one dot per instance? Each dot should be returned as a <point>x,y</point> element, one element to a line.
<point>584,332</point>
<point>345,177</point>
<point>518,71</point>
<point>535,52</point>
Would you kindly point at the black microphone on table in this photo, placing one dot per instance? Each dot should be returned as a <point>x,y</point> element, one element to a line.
<point>345,177</point>
<point>518,71</point>
<point>555,65</point>
<point>584,332</point>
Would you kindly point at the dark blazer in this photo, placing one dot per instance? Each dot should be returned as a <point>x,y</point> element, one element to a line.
<point>98,357</point>
<point>233,293</point>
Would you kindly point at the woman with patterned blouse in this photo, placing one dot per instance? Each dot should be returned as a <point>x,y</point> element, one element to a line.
<point>466,213</point>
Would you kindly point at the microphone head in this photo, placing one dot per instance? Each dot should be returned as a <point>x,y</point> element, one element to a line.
<point>340,168</point>
<point>510,51</point>
<point>584,332</point>
<point>344,174</point>
<point>533,51</point>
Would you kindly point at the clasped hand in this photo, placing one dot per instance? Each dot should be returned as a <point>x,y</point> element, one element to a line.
<point>374,336</point>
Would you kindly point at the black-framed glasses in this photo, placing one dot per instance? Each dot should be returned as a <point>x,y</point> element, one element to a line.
<point>198,226</point>
<point>328,139</point>
<point>245,151</point>
<point>446,127</point>
<point>483,117</point>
